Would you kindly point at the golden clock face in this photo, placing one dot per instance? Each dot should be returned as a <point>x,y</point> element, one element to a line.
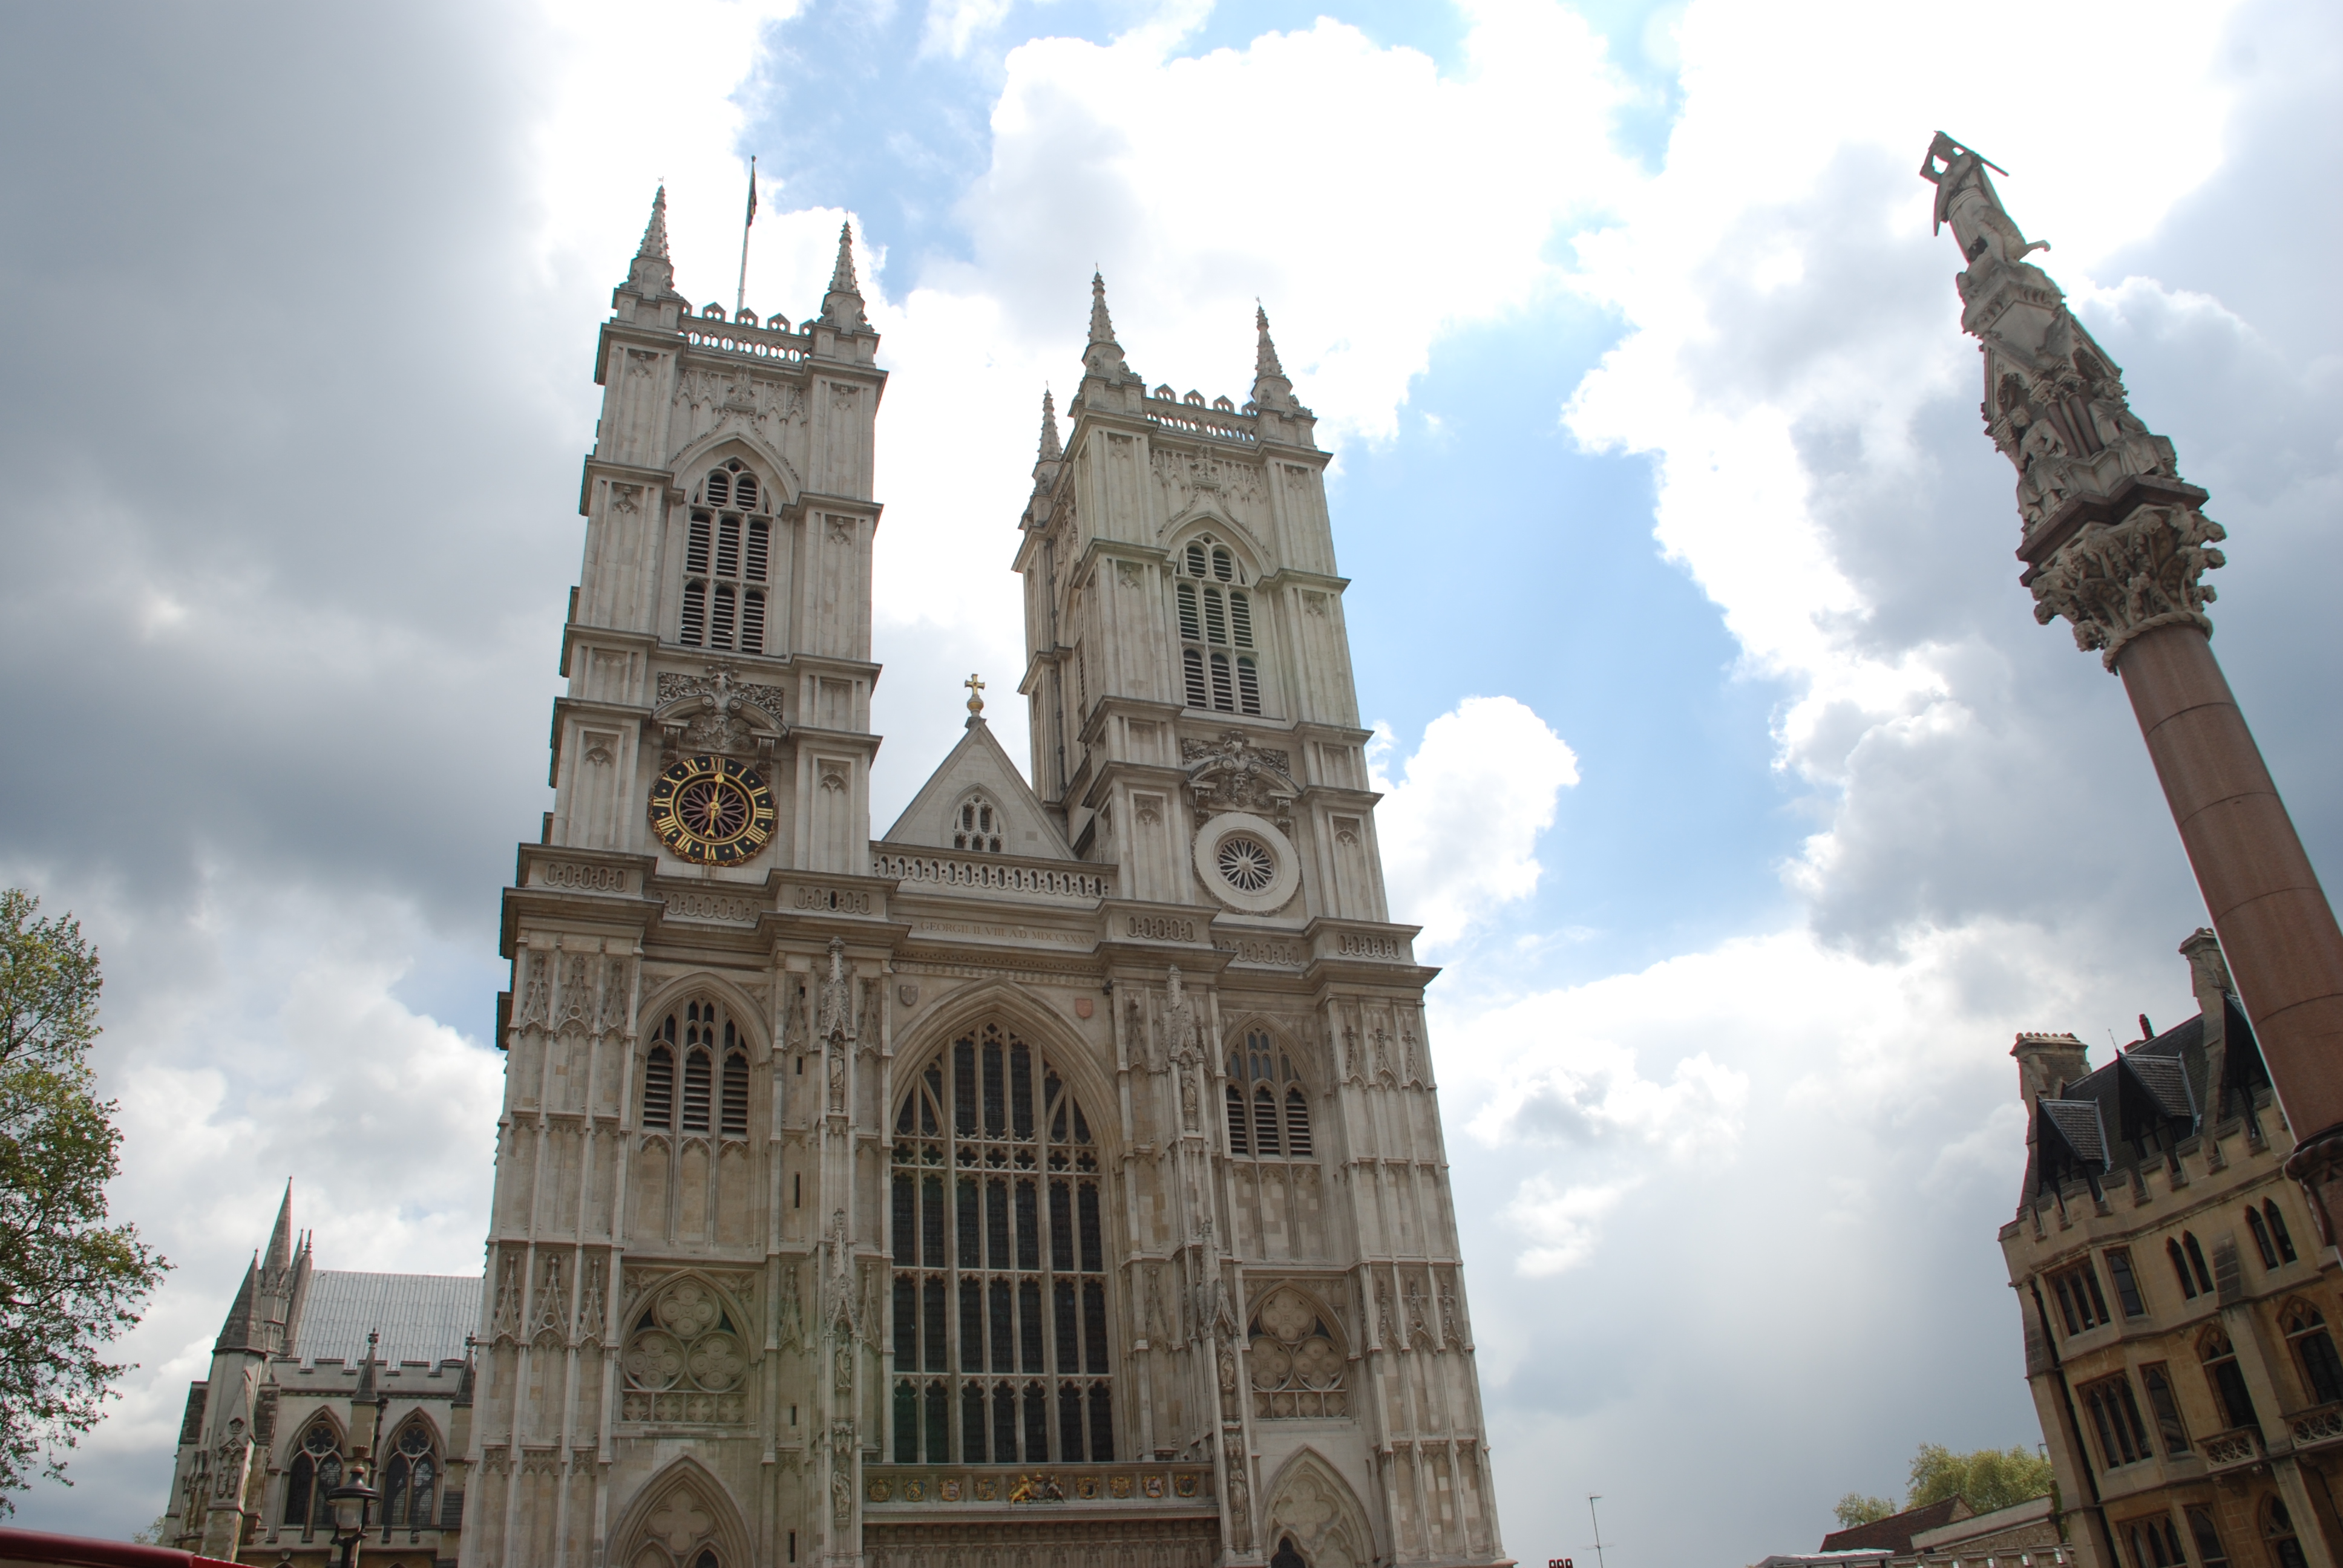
<point>713,811</point>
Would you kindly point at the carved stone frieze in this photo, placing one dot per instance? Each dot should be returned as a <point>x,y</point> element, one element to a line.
<point>2116,582</point>
<point>1233,774</point>
<point>721,692</point>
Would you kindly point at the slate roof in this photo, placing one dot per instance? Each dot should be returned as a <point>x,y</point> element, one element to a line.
<point>2152,1095</point>
<point>421,1317</point>
<point>1894,1532</point>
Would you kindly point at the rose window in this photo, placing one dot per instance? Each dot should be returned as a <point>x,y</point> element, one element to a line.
<point>685,1362</point>
<point>1297,1368</point>
<point>1246,863</point>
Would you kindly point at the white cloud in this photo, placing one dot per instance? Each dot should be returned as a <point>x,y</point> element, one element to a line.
<point>1560,1221</point>
<point>1460,830</point>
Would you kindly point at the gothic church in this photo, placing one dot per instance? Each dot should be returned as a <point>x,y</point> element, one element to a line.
<point>1054,1178</point>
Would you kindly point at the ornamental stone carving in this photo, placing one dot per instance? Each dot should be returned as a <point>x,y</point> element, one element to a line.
<point>2116,582</point>
<point>1233,774</point>
<point>2113,539</point>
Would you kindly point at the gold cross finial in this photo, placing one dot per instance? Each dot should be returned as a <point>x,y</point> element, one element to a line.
<point>975,701</point>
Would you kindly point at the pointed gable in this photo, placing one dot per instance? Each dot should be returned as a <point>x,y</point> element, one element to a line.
<point>979,768</point>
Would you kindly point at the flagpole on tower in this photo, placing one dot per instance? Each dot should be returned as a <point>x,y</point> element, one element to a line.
<point>740,298</point>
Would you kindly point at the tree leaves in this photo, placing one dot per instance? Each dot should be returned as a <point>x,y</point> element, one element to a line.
<point>69,1282</point>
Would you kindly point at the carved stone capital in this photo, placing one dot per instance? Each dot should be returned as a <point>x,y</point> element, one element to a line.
<point>2115,582</point>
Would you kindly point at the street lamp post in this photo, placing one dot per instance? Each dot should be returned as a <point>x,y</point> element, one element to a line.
<point>353,1503</point>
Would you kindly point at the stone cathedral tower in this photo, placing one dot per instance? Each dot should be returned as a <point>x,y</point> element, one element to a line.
<point>1056,1178</point>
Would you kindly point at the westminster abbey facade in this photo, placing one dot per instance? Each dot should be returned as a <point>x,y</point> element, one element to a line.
<point>1054,1178</point>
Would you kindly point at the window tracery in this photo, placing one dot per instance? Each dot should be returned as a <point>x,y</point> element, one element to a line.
<point>699,1037</point>
<point>1003,1350</point>
<point>410,1482</point>
<point>1219,666</point>
<point>977,826</point>
<point>2278,1528</point>
<point>685,1361</point>
<point>1297,1365</point>
<point>726,560</point>
<point>317,1470</point>
<point>1268,1105</point>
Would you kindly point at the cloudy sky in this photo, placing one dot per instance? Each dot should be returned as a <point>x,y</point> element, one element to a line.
<point>1744,803</point>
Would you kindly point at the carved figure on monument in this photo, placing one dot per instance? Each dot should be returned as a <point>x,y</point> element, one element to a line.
<point>1351,1071</point>
<point>841,1473</point>
<point>1180,1032</point>
<point>1228,1370</point>
<point>1386,1334</point>
<point>834,1022</point>
<point>1240,1494</point>
<point>1188,1096</point>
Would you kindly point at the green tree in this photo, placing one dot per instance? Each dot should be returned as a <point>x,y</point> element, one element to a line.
<point>70,1283</point>
<point>1989,1478</point>
<point>1856,1509</point>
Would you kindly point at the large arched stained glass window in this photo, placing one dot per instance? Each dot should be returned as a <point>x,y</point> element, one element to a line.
<point>1001,1353</point>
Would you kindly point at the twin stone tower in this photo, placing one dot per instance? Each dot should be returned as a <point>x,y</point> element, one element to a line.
<point>1056,1178</point>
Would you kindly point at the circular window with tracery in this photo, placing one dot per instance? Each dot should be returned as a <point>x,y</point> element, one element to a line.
<point>685,1361</point>
<point>1246,863</point>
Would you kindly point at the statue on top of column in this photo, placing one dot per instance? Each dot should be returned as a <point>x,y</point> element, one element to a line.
<point>2112,537</point>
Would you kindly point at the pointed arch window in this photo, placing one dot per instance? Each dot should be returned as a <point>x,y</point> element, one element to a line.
<point>726,559</point>
<point>2278,1528</point>
<point>703,1048</point>
<point>1003,1350</point>
<point>977,826</point>
<point>1268,1104</point>
<point>2228,1383</point>
<point>2314,1352</point>
<point>1219,663</point>
<point>410,1480</point>
<point>317,1470</point>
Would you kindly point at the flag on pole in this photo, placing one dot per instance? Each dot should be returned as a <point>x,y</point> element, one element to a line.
<point>740,298</point>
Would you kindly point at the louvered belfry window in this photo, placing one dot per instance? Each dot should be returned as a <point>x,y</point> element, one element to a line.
<point>1003,1350</point>
<point>728,551</point>
<point>701,1036</point>
<point>1268,1105</point>
<point>1219,666</point>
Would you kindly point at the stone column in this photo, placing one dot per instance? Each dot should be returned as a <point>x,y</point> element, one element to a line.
<point>2115,543</point>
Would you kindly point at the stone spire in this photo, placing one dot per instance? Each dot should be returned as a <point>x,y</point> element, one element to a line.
<point>842,306</point>
<point>1103,356</point>
<point>652,275</point>
<point>1271,389</point>
<point>280,1241</point>
<point>654,244</point>
<point>236,1329</point>
<point>1051,451</point>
